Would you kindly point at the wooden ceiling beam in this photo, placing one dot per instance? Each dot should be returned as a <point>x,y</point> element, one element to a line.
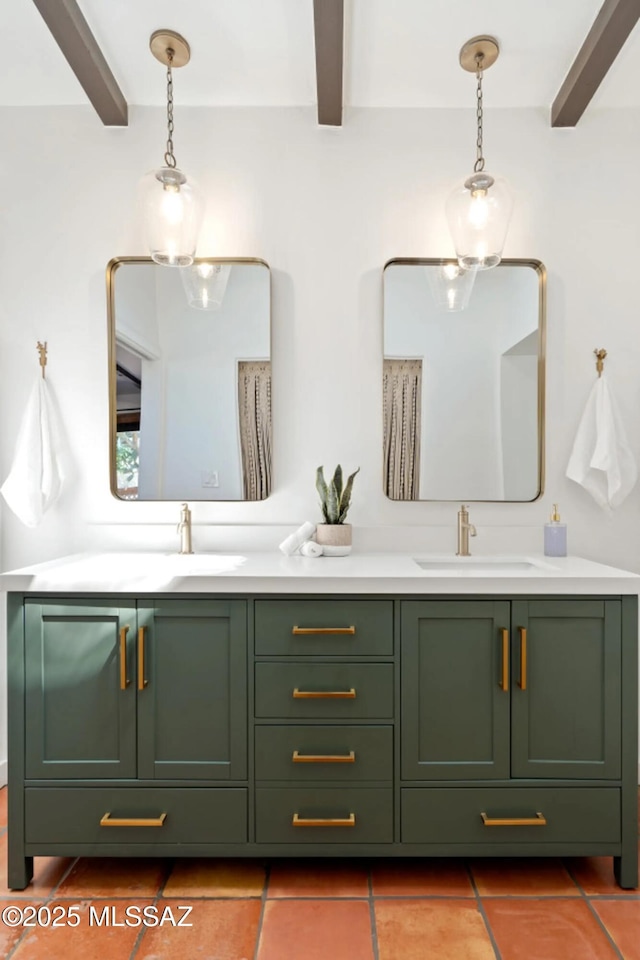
<point>328,24</point>
<point>606,38</point>
<point>71,32</point>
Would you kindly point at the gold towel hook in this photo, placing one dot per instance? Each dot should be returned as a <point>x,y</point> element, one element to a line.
<point>42,350</point>
<point>600,355</point>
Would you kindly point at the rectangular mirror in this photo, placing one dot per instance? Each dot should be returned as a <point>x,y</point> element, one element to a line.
<point>190,379</point>
<point>463,381</point>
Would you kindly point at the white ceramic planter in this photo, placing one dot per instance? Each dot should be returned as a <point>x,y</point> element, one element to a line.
<point>335,539</point>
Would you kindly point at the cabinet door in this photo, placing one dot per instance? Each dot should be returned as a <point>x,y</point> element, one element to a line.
<point>192,689</point>
<point>455,690</point>
<point>80,718</point>
<point>566,701</point>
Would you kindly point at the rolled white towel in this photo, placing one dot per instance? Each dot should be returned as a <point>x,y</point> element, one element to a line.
<point>295,540</point>
<point>311,549</point>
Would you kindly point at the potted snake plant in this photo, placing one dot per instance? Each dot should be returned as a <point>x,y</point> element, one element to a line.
<point>334,535</point>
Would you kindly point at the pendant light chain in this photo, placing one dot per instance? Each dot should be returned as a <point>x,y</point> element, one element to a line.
<point>479,164</point>
<point>169,158</point>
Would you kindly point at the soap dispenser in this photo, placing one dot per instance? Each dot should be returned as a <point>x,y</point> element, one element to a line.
<point>555,536</point>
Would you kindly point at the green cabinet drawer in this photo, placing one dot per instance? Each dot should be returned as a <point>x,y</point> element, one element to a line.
<point>324,690</point>
<point>326,752</point>
<point>572,814</point>
<point>360,816</point>
<point>193,815</point>
<point>324,626</point>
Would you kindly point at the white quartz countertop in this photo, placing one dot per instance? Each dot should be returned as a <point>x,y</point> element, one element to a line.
<point>383,573</point>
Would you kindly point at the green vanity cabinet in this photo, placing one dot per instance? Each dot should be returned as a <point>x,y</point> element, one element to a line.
<point>128,724</point>
<point>79,722</point>
<point>529,708</point>
<point>371,726</point>
<point>192,690</point>
<point>155,691</point>
<point>521,689</point>
<point>455,701</point>
<point>566,690</point>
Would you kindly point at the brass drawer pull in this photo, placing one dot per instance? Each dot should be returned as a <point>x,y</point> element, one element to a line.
<point>537,821</point>
<point>523,658</point>
<point>298,821</point>
<point>324,694</point>
<point>324,757</point>
<point>109,821</point>
<point>504,682</point>
<point>124,683</point>
<point>141,680</point>
<point>305,631</point>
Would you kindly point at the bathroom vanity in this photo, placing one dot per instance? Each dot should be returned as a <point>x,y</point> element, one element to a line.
<point>361,706</point>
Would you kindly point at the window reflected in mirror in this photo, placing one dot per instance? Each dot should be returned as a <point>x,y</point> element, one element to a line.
<point>463,381</point>
<point>190,375</point>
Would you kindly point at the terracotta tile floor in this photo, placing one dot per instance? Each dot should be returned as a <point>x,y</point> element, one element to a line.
<point>545,909</point>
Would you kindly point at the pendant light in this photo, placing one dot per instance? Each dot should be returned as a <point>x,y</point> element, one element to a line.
<point>479,211</point>
<point>205,284</point>
<point>172,207</point>
<point>450,285</point>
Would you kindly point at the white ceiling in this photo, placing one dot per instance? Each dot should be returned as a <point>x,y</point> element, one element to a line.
<point>398,53</point>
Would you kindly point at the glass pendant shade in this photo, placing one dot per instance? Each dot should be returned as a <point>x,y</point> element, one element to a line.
<point>478,214</point>
<point>205,284</point>
<point>450,286</point>
<point>172,210</point>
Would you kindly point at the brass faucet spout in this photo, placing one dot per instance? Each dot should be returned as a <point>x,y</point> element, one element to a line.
<point>184,529</point>
<point>465,530</point>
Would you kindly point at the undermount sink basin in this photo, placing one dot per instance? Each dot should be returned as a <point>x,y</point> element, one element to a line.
<point>485,565</point>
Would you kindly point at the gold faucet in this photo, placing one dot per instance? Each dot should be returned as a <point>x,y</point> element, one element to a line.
<point>184,529</point>
<point>465,530</point>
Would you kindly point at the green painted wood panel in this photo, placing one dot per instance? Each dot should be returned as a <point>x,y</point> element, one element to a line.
<point>193,815</point>
<point>276,682</point>
<point>372,749</point>
<point>567,721</point>
<point>453,815</point>
<point>626,865</point>
<point>454,713</point>
<point>276,619</point>
<point>193,709</point>
<point>79,723</point>
<point>371,808</point>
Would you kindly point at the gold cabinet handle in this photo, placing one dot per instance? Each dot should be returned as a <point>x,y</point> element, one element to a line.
<point>537,821</point>
<point>324,757</point>
<point>109,821</point>
<point>141,680</point>
<point>504,682</point>
<point>124,683</point>
<point>305,631</point>
<point>299,821</point>
<point>324,694</point>
<point>523,658</point>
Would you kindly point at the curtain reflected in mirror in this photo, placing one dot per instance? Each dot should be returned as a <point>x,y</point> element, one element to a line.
<point>254,410</point>
<point>190,384</point>
<point>402,399</point>
<point>463,381</point>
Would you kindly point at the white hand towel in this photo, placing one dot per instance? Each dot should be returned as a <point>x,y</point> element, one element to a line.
<point>601,459</point>
<point>35,479</point>
<point>294,541</point>
<point>311,549</point>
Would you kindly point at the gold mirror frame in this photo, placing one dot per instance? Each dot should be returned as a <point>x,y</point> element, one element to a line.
<point>541,271</point>
<point>111,270</point>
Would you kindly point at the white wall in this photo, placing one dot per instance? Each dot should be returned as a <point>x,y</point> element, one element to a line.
<point>325,208</point>
<point>519,424</point>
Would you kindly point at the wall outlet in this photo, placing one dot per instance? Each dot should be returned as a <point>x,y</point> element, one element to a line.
<point>210,478</point>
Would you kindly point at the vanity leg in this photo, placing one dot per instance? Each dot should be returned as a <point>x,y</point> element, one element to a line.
<point>19,871</point>
<point>625,869</point>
